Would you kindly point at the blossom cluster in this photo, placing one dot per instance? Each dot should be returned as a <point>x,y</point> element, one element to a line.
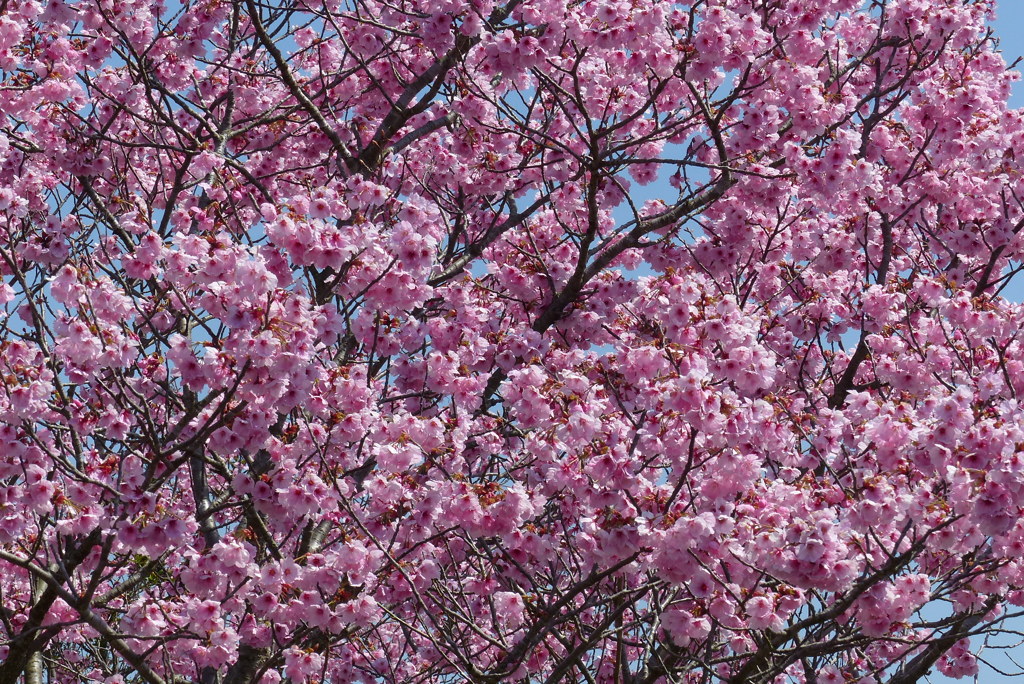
<point>507,341</point>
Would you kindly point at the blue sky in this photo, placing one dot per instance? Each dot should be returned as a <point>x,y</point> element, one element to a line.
<point>1010,30</point>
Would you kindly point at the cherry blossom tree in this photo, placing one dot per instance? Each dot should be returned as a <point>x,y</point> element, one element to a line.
<point>507,341</point>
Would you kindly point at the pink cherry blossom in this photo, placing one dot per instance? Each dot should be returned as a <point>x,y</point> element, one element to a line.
<point>507,341</point>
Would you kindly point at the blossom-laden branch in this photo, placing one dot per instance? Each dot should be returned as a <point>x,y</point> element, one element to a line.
<point>361,341</point>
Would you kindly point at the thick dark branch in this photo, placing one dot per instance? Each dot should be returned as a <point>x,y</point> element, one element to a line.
<point>248,664</point>
<point>845,384</point>
<point>493,233</point>
<point>917,668</point>
<point>201,497</point>
<point>293,86</point>
<point>32,638</point>
<point>549,621</point>
<point>763,660</point>
<point>375,151</point>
